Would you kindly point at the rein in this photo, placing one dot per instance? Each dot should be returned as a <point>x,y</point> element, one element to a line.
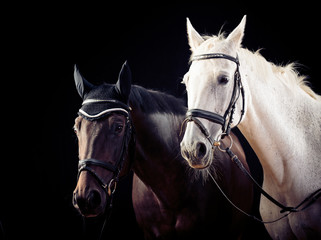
<point>300,207</point>
<point>225,121</point>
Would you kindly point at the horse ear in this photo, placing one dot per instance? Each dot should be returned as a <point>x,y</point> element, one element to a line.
<point>235,37</point>
<point>194,38</point>
<point>82,85</point>
<point>124,82</point>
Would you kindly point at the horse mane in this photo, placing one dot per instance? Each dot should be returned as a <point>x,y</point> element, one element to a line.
<point>289,73</point>
<point>150,101</point>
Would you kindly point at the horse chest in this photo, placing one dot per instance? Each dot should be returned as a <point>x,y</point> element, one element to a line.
<point>158,220</point>
<point>185,220</point>
<point>300,225</point>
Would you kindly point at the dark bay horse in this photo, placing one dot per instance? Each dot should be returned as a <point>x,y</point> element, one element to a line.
<point>122,127</point>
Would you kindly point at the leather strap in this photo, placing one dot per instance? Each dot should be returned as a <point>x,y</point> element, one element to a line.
<point>91,161</point>
<point>213,117</point>
<point>308,201</point>
<point>226,120</point>
<point>215,55</point>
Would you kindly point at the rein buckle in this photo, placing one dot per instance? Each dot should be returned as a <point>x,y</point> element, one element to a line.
<point>218,143</point>
<point>112,187</point>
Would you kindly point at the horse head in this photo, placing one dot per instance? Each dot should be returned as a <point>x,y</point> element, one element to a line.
<point>104,133</point>
<point>213,89</point>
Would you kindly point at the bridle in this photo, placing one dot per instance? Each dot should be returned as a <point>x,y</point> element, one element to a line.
<point>127,148</point>
<point>86,164</point>
<point>227,119</point>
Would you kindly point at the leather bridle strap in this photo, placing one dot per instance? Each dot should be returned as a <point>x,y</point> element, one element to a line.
<point>304,204</point>
<point>227,119</point>
<point>84,165</point>
<point>205,114</point>
<point>192,115</point>
<point>91,161</point>
<point>215,55</point>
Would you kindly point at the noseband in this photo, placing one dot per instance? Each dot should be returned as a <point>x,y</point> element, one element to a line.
<point>86,164</point>
<point>227,119</point>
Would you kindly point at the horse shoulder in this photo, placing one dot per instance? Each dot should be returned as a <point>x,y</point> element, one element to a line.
<point>151,215</point>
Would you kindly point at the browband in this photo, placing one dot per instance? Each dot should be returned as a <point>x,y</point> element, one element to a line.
<point>93,109</point>
<point>216,55</point>
<point>102,113</point>
<point>123,105</point>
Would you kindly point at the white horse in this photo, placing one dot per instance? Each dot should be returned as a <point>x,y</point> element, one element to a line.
<point>279,115</point>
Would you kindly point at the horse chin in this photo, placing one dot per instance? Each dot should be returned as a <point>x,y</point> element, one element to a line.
<point>93,214</point>
<point>200,165</point>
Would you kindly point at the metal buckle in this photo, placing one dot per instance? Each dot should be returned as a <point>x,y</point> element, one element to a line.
<point>112,187</point>
<point>218,143</point>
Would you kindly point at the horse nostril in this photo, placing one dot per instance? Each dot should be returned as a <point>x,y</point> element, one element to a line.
<point>94,199</point>
<point>200,150</point>
<point>88,204</point>
<point>74,199</point>
<point>185,154</point>
<point>80,202</point>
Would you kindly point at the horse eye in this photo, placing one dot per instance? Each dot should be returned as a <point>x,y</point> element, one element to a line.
<point>223,79</point>
<point>185,78</point>
<point>76,129</point>
<point>77,125</point>
<point>119,128</point>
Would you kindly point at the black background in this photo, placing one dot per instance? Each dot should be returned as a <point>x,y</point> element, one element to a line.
<point>42,42</point>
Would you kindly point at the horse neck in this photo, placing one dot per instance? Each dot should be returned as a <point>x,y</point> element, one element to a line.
<point>282,122</point>
<point>158,162</point>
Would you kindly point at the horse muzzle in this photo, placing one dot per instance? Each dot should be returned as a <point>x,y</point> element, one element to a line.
<point>198,156</point>
<point>91,204</point>
<point>88,197</point>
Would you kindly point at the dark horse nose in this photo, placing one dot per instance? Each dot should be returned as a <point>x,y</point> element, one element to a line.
<point>200,150</point>
<point>89,204</point>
